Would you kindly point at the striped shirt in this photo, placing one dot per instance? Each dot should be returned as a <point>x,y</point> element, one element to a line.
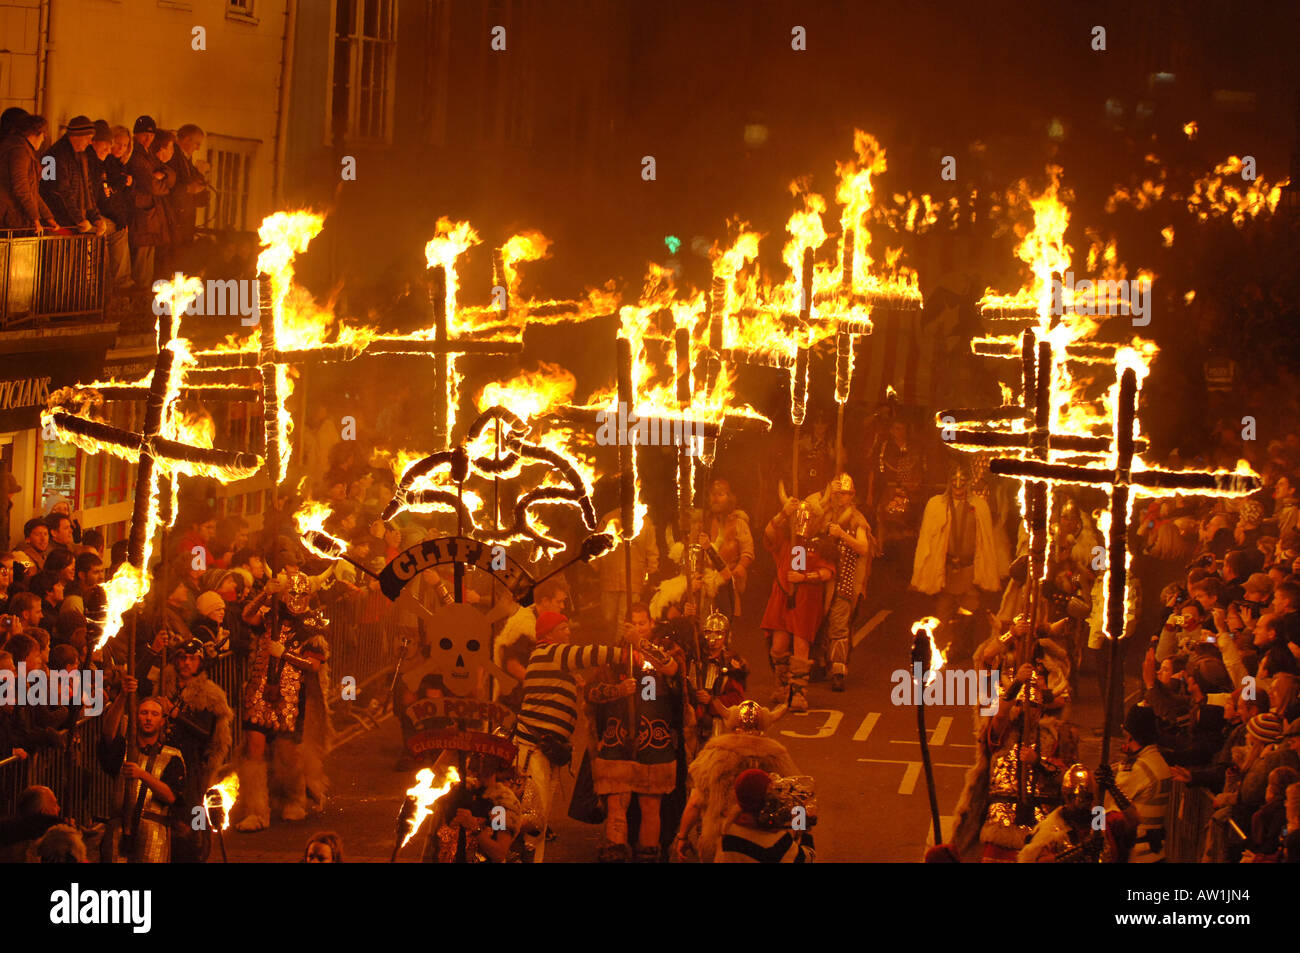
<point>749,845</point>
<point>550,703</point>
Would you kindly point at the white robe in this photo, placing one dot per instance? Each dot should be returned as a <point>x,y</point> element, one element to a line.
<point>930,566</point>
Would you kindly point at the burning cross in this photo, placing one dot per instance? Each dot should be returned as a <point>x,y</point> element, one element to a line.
<point>1123,479</point>
<point>155,448</point>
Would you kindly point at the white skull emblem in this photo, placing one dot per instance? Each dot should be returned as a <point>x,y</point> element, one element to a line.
<point>462,647</point>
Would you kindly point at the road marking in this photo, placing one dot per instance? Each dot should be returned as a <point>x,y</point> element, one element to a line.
<point>864,729</point>
<point>937,764</point>
<point>908,784</point>
<point>945,827</point>
<point>913,741</point>
<point>874,621</point>
<point>827,729</point>
<point>940,734</point>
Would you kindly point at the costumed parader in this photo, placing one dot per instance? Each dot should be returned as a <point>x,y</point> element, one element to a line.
<point>199,723</point>
<point>956,558</point>
<point>479,819</point>
<point>713,774</point>
<point>155,780</point>
<point>640,720</point>
<point>797,602</point>
<point>1022,752</point>
<point>718,680</point>
<point>1077,831</point>
<point>543,732</point>
<point>285,713</point>
<point>728,545</point>
<point>518,636</point>
<point>855,548</point>
<point>771,822</point>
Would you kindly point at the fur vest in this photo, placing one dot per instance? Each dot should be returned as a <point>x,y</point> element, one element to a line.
<point>714,772</point>
<point>203,694</point>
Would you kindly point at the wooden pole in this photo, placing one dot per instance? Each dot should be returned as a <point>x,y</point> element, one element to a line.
<point>1117,556</point>
<point>441,362</point>
<point>627,501</point>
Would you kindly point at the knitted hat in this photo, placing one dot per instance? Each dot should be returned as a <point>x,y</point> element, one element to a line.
<point>80,126</point>
<point>209,602</point>
<point>751,789</point>
<point>1140,723</point>
<point>1265,728</point>
<point>548,622</point>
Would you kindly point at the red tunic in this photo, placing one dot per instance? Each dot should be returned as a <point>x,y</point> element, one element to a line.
<point>802,614</point>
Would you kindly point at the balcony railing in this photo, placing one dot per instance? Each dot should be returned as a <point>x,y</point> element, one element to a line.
<point>50,279</point>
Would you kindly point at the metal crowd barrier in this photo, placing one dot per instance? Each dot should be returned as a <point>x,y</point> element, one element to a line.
<point>51,278</point>
<point>1186,822</point>
<point>363,638</point>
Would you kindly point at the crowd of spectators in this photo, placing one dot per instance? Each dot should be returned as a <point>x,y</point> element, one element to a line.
<point>139,189</point>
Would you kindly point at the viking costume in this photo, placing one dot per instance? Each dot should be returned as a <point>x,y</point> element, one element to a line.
<point>721,673</point>
<point>285,702</point>
<point>794,607</point>
<point>1068,834</point>
<point>714,771</point>
<point>731,546</point>
<point>151,820</point>
<point>199,726</point>
<point>451,843</point>
<point>854,552</point>
<point>1006,794</point>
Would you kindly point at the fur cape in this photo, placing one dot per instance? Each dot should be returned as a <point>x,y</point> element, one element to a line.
<point>204,694</point>
<point>1050,830</point>
<point>521,623</point>
<point>714,772</point>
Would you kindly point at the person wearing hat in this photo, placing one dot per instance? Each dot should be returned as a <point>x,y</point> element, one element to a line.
<point>1144,779</point>
<point>855,548</point>
<point>198,724</point>
<point>113,223</point>
<point>543,733</point>
<point>746,839</point>
<point>69,193</point>
<point>210,612</point>
<point>151,183</point>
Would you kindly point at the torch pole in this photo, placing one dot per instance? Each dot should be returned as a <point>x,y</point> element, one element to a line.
<point>1117,555</point>
<point>843,347</point>
<point>627,499</point>
<point>685,473</point>
<point>921,654</point>
<point>441,362</point>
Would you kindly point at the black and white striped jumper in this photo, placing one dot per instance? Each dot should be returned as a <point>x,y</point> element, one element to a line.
<point>550,703</point>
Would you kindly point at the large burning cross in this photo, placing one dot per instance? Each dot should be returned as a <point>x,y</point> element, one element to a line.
<point>1124,481</point>
<point>154,448</point>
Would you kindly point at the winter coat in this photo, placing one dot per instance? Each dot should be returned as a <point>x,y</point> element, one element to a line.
<point>69,194</point>
<point>115,200</point>
<point>151,219</point>
<point>21,204</point>
<point>184,203</point>
<point>930,565</point>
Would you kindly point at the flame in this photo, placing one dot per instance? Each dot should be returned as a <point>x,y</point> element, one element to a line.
<point>1190,129</point>
<point>531,393</point>
<point>450,241</point>
<point>938,658</point>
<point>227,791</point>
<point>425,795</point>
<point>310,520</point>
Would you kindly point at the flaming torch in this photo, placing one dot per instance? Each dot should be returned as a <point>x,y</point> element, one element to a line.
<point>927,660</point>
<point>217,802</point>
<point>419,804</point>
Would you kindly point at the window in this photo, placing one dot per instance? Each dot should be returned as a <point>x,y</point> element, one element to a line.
<point>364,70</point>
<point>231,162</point>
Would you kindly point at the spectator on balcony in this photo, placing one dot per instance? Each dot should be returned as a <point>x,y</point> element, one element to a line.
<point>190,193</point>
<point>21,205</point>
<point>83,206</point>
<point>117,202</point>
<point>36,542</point>
<point>151,183</point>
<point>10,118</point>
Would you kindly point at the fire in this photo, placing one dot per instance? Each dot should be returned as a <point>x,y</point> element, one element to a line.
<point>531,393</point>
<point>227,792</point>
<point>1190,129</point>
<point>425,795</point>
<point>1226,193</point>
<point>450,241</point>
<point>310,521</point>
<point>938,658</point>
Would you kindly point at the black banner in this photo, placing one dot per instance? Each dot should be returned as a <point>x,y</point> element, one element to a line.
<point>488,557</point>
<point>27,378</point>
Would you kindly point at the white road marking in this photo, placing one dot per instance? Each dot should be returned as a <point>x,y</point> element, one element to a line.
<point>937,764</point>
<point>940,733</point>
<point>874,621</point>
<point>864,729</point>
<point>827,729</point>
<point>945,826</point>
<point>908,784</point>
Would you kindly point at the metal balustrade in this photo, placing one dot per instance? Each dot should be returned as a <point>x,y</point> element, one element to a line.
<point>47,279</point>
